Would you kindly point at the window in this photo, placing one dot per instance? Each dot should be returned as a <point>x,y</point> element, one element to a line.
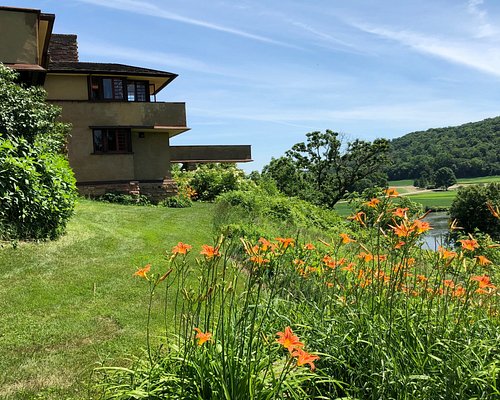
<point>112,140</point>
<point>118,89</point>
<point>137,90</point>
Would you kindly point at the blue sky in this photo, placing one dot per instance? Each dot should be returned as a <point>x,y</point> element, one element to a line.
<point>267,72</point>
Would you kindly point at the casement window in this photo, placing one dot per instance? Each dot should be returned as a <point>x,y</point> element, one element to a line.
<point>137,91</point>
<point>112,140</point>
<point>118,89</point>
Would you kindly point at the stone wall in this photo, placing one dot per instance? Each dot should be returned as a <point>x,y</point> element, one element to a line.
<point>156,191</point>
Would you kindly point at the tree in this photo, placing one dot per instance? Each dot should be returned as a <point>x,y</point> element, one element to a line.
<point>444,177</point>
<point>289,179</point>
<point>470,209</point>
<point>324,171</point>
<point>37,186</point>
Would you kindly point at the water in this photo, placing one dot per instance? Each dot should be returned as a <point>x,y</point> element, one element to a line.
<point>436,236</point>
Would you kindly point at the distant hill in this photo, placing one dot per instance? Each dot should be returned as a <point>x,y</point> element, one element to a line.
<point>470,150</point>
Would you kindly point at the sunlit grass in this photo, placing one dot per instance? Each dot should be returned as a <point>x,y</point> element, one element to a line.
<point>434,199</point>
<point>69,303</point>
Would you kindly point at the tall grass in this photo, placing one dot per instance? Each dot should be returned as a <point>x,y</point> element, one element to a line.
<point>377,317</point>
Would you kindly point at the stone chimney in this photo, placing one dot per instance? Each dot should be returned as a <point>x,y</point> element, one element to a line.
<point>63,48</point>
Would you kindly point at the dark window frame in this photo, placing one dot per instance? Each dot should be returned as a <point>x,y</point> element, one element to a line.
<point>96,89</point>
<point>112,140</point>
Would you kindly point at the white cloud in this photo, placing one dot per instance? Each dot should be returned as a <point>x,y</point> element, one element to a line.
<point>483,56</point>
<point>145,8</point>
<point>484,28</point>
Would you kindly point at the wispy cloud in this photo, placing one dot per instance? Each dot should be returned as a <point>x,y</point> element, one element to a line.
<point>145,8</point>
<point>482,56</point>
<point>484,28</point>
<point>170,60</point>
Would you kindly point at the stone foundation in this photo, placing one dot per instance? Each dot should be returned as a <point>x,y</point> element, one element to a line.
<point>156,191</point>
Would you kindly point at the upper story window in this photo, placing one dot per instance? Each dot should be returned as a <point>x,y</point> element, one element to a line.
<point>118,89</point>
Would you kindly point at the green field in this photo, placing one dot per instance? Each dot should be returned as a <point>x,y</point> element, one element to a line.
<point>463,181</point>
<point>69,303</point>
<point>434,199</point>
<point>484,179</point>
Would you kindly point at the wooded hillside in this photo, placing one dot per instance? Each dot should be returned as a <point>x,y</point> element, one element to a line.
<point>470,150</point>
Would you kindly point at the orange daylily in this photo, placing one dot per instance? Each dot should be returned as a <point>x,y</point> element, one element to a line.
<point>209,251</point>
<point>400,212</point>
<point>288,340</point>
<point>421,226</point>
<point>202,336</point>
<point>458,292</point>
<point>259,260</point>
<point>345,238</point>
<point>367,257</point>
<point>181,248</point>
<point>399,245</point>
<point>484,281</point>
<point>309,246</point>
<point>304,357</point>
<point>141,272</point>
<point>482,260</point>
<point>446,253</point>
<point>402,230</point>
<point>286,242</point>
<point>359,217</point>
<point>349,267</point>
<point>469,244</point>
<point>373,202</point>
<point>495,211</point>
<point>265,244</point>
<point>391,192</point>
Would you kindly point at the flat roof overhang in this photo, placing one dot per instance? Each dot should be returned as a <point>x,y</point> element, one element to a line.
<point>171,130</point>
<point>211,154</point>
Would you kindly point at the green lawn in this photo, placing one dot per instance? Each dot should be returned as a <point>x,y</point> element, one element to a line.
<point>483,179</point>
<point>434,199</point>
<point>403,182</point>
<point>68,304</point>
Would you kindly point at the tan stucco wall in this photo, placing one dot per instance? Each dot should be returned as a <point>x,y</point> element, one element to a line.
<point>90,167</point>
<point>150,159</point>
<point>151,155</point>
<point>123,113</point>
<point>66,87</point>
<point>18,37</point>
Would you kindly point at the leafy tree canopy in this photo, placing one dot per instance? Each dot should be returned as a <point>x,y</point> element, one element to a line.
<point>444,177</point>
<point>475,207</point>
<point>322,171</point>
<point>469,150</point>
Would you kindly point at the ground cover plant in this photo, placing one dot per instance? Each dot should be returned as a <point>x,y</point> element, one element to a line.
<point>364,315</point>
<point>70,303</point>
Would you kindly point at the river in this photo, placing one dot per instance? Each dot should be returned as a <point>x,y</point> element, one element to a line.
<point>436,237</point>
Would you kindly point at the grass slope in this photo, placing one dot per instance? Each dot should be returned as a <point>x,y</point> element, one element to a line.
<point>70,303</point>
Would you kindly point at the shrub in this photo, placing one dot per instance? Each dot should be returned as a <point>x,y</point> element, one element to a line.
<point>210,180</point>
<point>470,209</point>
<point>178,201</point>
<point>254,213</point>
<point>37,186</point>
<point>125,199</point>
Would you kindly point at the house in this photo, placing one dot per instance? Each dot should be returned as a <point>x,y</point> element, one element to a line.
<point>120,138</point>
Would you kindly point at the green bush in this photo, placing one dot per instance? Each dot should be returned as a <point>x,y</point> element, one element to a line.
<point>470,209</point>
<point>126,199</point>
<point>210,180</point>
<point>179,201</point>
<point>37,186</point>
<point>255,213</point>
